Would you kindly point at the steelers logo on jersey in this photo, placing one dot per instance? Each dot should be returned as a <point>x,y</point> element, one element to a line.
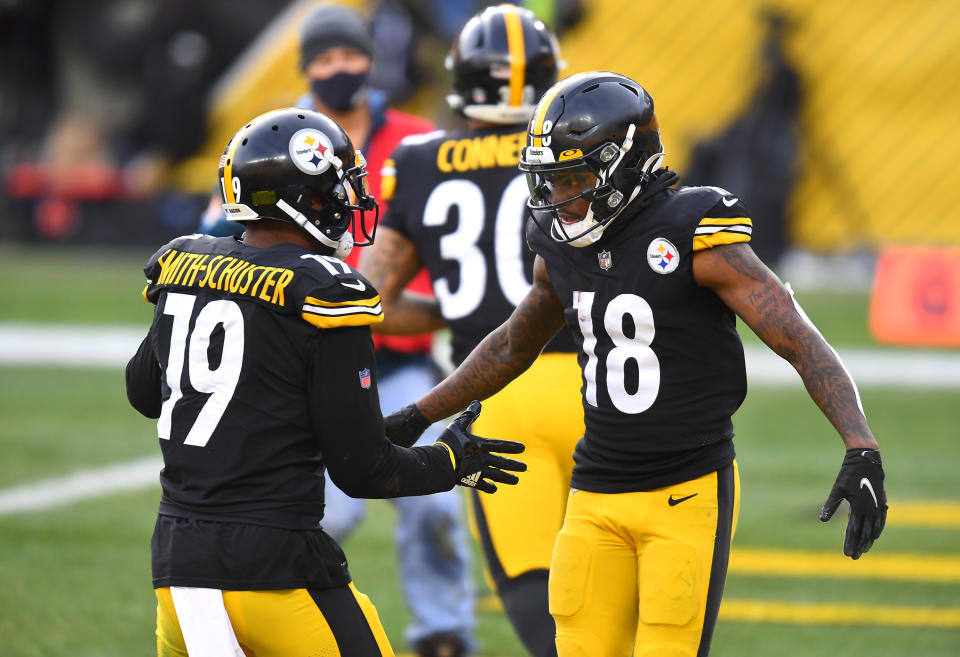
<point>311,151</point>
<point>662,256</point>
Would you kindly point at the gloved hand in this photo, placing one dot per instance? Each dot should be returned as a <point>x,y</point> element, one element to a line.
<point>404,427</point>
<point>860,482</point>
<point>475,461</point>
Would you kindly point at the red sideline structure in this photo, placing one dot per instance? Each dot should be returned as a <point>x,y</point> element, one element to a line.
<point>916,296</point>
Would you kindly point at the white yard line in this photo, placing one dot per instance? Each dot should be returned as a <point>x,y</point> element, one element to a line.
<point>65,345</point>
<point>111,346</point>
<point>82,485</point>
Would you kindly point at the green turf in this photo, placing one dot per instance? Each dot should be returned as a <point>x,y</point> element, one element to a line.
<point>84,286</point>
<point>57,420</point>
<point>76,580</point>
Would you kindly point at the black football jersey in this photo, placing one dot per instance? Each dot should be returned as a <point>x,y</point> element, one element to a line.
<point>259,365</point>
<point>266,375</point>
<point>663,367</point>
<point>459,197</point>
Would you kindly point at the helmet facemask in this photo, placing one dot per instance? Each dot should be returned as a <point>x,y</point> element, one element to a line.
<point>574,199</point>
<point>343,212</point>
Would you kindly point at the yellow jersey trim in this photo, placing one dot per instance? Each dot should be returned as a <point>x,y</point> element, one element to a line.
<point>339,321</point>
<point>314,301</point>
<point>703,242</point>
<point>715,221</point>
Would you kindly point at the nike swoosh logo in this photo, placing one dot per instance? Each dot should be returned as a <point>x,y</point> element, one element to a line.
<point>730,202</point>
<point>675,502</point>
<point>356,286</point>
<point>866,482</point>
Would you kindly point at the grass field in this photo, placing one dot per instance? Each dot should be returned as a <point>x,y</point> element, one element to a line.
<point>75,580</point>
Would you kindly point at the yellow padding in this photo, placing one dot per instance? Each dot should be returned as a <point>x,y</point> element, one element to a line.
<point>701,242</point>
<point>314,301</point>
<point>327,321</point>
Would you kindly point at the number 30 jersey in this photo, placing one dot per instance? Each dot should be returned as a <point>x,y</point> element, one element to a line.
<point>458,196</point>
<point>663,368</point>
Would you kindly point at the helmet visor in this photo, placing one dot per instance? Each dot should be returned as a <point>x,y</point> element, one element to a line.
<point>558,186</point>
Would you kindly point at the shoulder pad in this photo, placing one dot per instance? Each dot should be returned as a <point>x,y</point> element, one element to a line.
<point>335,295</point>
<point>725,221</point>
<point>404,157</point>
<point>152,269</point>
<point>535,238</point>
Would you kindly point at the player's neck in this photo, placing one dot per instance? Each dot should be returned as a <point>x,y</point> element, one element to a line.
<point>278,232</point>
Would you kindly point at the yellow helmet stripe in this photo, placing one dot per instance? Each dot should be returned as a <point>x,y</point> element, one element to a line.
<point>546,101</point>
<point>228,168</point>
<point>518,58</point>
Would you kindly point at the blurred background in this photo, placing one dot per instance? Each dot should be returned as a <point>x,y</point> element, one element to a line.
<point>835,122</point>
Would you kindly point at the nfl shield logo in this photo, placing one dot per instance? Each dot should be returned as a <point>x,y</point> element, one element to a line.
<point>365,378</point>
<point>605,259</point>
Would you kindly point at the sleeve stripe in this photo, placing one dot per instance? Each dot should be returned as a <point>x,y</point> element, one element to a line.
<point>338,322</point>
<point>718,239</point>
<point>725,221</point>
<point>710,230</point>
<point>314,301</point>
<point>343,310</point>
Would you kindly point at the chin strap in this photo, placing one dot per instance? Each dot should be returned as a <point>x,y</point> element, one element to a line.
<point>341,247</point>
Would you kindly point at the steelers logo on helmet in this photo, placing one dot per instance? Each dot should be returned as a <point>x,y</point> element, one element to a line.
<point>311,151</point>
<point>662,256</point>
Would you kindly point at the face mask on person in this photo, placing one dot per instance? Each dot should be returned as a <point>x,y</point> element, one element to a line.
<point>340,92</point>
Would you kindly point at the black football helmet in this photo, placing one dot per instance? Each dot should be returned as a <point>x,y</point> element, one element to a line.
<point>282,162</point>
<point>594,136</point>
<point>502,61</point>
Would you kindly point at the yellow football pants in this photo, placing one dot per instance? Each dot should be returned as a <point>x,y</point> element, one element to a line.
<point>288,623</point>
<point>642,573</point>
<point>542,408</point>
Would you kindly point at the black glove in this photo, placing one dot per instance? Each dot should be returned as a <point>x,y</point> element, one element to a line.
<point>475,462</point>
<point>860,482</point>
<point>404,427</point>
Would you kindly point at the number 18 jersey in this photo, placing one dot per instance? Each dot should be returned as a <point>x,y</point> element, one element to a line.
<point>663,368</point>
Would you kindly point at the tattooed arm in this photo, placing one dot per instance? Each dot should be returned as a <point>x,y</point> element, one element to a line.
<point>504,354</point>
<point>390,263</point>
<point>755,293</point>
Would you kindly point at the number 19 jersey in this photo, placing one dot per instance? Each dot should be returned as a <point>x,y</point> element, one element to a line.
<point>235,333</point>
<point>663,368</point>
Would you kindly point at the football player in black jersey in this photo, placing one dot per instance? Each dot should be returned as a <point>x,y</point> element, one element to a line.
<point>259,366</point>
<point>457,205</point>
<point>650,280</point>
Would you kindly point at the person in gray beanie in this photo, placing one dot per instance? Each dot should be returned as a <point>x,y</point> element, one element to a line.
<point>336,51</point>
